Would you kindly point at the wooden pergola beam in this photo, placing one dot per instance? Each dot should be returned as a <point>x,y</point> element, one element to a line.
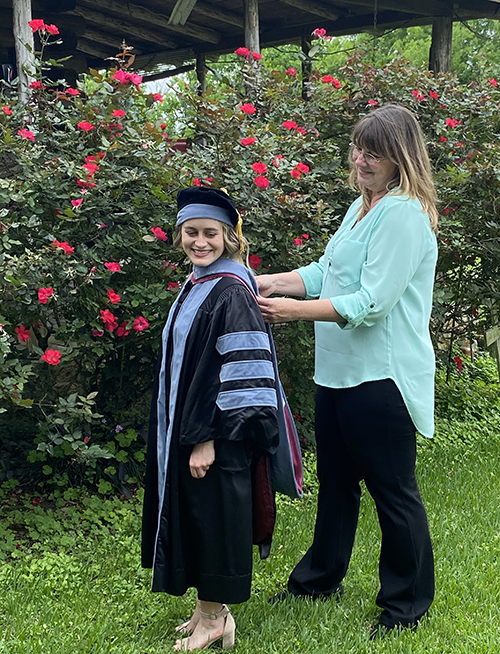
<point>441,44</point>
<point>23,36</point>
<point>314,7</point>
<point>214,11</point>
<point>95,47</point>
<point>127,29</point>
<point>174,57</point>
<point>420,7</point>
<point>168,73</point>
<point>181,12</point>
<point>252,39</point>
<point>143,15</point>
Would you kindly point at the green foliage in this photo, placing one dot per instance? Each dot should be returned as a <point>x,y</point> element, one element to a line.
<point>94,176</point>
<point>72,582</point>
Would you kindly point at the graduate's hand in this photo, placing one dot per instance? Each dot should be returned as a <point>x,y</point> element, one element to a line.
<point>202,457</point>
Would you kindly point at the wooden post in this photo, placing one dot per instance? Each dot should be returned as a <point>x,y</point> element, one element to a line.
<point>493,339</point>
<point>201,72</point>
<point>252,40</point>
<point>23,36</point>
<point>306,65</point>
<point>440,52</point>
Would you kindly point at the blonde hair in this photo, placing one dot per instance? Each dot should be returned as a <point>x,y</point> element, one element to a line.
<point>235,245</point>
<point>392,132</point>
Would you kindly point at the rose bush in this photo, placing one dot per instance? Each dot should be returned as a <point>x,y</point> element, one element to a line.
<point>88,179</point>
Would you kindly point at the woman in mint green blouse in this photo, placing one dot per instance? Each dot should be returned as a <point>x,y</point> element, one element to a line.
<point>370,296</point>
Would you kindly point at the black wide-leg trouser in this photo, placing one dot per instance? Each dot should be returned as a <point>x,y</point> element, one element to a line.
<point>365,432</point>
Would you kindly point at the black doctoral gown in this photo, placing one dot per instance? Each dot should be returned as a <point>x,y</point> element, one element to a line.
<point>216,382</point>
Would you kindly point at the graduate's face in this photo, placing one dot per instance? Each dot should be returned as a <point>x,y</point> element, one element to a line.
<point>202,240</point>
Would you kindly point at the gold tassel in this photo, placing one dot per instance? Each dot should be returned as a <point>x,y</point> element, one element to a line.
<point>239,232</point>
<point>238,228</point>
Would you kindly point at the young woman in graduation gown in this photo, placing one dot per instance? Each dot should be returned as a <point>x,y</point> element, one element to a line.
<point>217,414</point>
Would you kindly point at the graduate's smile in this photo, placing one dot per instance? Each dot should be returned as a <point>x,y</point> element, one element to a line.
<point>202,240</point>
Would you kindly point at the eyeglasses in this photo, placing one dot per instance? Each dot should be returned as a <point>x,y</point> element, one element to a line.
<point>369,158</point>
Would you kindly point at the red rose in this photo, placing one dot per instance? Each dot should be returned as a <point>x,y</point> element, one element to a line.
<point>77,203</point>
<point>172,286</point>
<point>289,124</point>
<point>52,29</point>
<point>291,71</point>
<point>157,97</point>
<point>140,324</point>
<point>37,24</point>
<point>91,168</point>
<point>82,184</point>
<point>248,108</point>
<point>114,298</point>
<point>113,266</point>
<point>119,113</point>
<point>259,168</point>
<point>44,294</point>
<point>97,332</point>
<point>7,110</point>
<point>23,334</point>
<point>163,126</point>
<point>372,103</point>
<point>442,139</point>
<point>298,241</point>
<point>124,78</point>
<point>52,357</point>
<point>37,86</point>
<point>26,134</point>
<point>261,182</point>
<point>493,82</point>
<point>452,122</point>
<point>159,233</point>
<point>328,79</point>
<point>459,363</point>
<point>249,140</point>
<point>277,159</point>
<point>418,96</point>
<point>295,173</point>
<point>71,91</point>
<point>256,56</point>
<point>242,52</point>
<point>107,316</point>
<point>302,167</point>
<point>64,245</point>
<point>85,126</point>
<point>306,236</point>
<point>433,95</point>
<point>319,32</point>
<point>122,330</point>
<point>254,260</point>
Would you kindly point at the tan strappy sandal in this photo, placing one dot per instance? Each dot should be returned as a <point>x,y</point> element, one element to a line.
<point>227,635</point>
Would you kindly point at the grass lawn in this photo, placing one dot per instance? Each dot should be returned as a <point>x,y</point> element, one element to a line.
<point>72,584</point>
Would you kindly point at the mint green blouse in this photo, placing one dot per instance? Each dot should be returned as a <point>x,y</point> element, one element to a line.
<point>379,275</point>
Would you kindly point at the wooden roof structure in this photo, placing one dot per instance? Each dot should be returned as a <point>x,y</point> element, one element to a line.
<point>173,32</point>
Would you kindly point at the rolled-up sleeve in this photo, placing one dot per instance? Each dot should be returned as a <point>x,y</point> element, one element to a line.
<point>312,276</point>
<point>397,244</point>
